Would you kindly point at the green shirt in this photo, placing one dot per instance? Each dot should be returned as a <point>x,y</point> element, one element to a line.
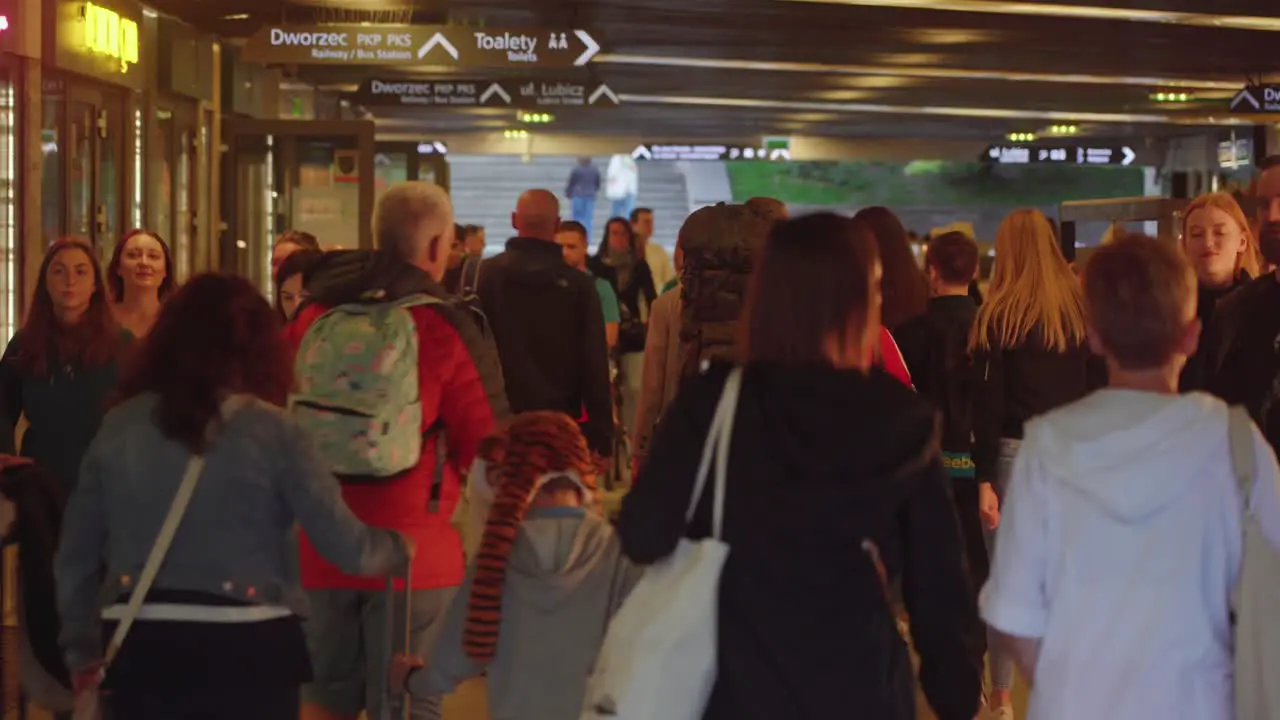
<point>608,301</point>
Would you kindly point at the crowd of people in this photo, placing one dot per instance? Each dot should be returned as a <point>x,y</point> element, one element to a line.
<point>394,479</point>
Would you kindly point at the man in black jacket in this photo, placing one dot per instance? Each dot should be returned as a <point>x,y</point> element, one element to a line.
<point>1242,342</point>
<point>546,319</point>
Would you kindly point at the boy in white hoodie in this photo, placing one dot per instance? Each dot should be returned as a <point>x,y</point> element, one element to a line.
<point>543,584</point>
<point>1121,532</point>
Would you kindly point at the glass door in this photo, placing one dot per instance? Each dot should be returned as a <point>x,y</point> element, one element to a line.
<point>174,183</point>
<point>95,167</point>
<point>278,175</point>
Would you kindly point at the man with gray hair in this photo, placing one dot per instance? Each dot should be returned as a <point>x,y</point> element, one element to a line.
<point>357,296</point>
<point>548,324</point>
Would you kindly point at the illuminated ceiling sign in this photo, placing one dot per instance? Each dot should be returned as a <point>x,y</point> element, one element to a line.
<point>530,94</point>
<point>107,33</point>
<point>695,152</point>
<point>420,45</point>
<point>1257,99</point>
<point>1059,155</point>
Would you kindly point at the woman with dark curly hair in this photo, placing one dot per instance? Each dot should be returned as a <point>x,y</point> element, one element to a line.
<point>60,368</point>
<point>219,634</point>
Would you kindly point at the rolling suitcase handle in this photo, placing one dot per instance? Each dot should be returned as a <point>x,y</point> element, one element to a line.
<point>406,647</point>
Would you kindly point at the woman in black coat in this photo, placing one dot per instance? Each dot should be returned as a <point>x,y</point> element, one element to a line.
<point>835,487</point>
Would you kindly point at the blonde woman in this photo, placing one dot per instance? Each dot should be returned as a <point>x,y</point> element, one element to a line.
<point>1030,356</point>
<point>1219,242</point>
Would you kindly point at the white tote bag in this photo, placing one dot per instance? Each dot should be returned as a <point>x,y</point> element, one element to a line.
<point>658,661</point>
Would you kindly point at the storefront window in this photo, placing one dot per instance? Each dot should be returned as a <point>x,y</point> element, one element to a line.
<point>162,175</point>
<point>390,169</point>
<point>8,212</point>
<point>52,191</point>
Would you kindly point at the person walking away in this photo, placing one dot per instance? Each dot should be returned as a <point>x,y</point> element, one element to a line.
<point>1242,342</point>
<point>1218,241</point>
<point>835,489</point>
<point>60,369</point>
<point>583,187</point>
<point>906,290</point>
<point>655,256</point>
<point>1029,356</point>
<point>935,346</point>
<point>622,185</point>
<point>140,276</point>
<point>218,635</point>
<point>663,365</point>
<point>572,239</point>
<point>548,579</point>
<point>457,398</point>
<point>548,324</point>
<point>1123,524</point>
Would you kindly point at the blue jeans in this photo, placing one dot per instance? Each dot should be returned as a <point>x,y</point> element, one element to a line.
<point>584,210</point>
<point>622,207</point>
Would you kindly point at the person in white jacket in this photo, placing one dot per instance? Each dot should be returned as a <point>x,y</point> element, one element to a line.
<point>1121,535</point>
<point>621,185</point>
<point>654,254</point>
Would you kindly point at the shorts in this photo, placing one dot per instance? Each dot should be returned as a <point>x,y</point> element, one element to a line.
<point>346,635</point>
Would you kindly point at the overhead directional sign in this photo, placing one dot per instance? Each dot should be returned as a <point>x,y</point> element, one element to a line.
<point>1257,99</point>
<point>420,45</point>
<point>526,94</point>
<point>710,152</point>
<point>1059,155</point>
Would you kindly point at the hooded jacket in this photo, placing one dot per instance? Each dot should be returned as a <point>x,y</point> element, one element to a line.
<point>460,384</point>
<point>822,460</point>
<point>1120,542</point>
<point>549,328</point>
<point>565,578</point>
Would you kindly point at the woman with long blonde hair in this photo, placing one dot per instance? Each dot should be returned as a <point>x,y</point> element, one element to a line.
<point>1219,242</point>
<point>1030,356</point>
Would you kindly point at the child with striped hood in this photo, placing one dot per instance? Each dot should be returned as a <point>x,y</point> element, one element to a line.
<point>547,578</point>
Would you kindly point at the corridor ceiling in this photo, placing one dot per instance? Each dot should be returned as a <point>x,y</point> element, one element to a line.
<point>930,69</point>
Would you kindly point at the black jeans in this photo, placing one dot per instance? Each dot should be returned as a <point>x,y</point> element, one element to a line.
<point>251,703</point>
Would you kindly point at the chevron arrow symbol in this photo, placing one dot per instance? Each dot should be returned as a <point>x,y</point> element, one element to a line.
<point>438,40</point>
<point>495,89</point>
<point>602,91</point>
<point>592,47</point>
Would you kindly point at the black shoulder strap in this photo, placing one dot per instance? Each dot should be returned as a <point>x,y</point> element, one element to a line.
<point>470,276</point>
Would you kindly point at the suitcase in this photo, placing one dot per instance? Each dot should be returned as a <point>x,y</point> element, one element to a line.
<point>405,646</point>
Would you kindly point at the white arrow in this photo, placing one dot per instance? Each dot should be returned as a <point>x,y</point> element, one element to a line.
<point>602,91</point>
<point>495,89</point>
<point>1245,96</point>
<point>1129,155</point>
<point>641,153</point>
<point>592,47</point>
<point>440,147</point>
<point>442,41</point>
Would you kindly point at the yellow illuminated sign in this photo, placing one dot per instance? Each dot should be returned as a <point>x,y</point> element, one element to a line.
<point>106,33</point>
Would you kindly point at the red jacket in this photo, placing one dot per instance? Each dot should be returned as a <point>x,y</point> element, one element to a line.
<point>451,390</point>
<point>891,358</point>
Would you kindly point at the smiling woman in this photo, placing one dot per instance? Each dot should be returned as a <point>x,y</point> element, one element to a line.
<point>140,276</point>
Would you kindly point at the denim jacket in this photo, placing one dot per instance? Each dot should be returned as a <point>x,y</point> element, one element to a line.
<point>237,538</point>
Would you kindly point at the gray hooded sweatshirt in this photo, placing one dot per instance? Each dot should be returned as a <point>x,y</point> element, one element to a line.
<point>566,577</point>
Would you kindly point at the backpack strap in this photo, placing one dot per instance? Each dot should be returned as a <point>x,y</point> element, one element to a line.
<point>1243,463</point>
<point>470,277</point>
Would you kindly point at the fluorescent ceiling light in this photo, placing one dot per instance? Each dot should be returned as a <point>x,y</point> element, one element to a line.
<point>934,72</point>
<point>1084,12</point>
<point>938,111</point>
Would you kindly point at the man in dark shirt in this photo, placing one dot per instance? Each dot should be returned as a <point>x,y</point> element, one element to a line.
<point>546,319</point>
<point>1242,341</point>
<point>584,185</point>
